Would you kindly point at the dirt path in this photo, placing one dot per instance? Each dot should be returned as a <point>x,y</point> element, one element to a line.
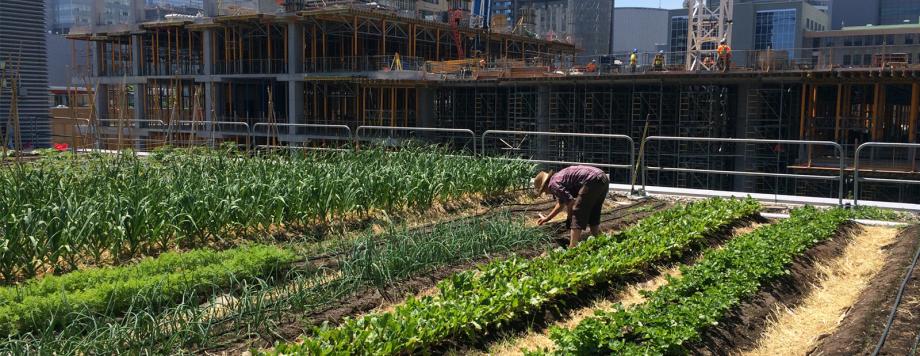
<point>862,326</point>
<point>618,215</point>
<point>793,330</point>
<point>741,328</point>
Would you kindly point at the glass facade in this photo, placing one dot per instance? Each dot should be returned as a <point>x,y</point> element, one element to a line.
<point>775,29</point>
<point>893,12</point>
<point>678,40</point>
<point>69,13</point>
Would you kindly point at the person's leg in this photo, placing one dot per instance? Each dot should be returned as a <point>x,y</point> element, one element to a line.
<point>599,190</point>
<point>574,237</point>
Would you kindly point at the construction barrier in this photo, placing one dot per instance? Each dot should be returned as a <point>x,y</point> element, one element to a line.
<point>856,165</point>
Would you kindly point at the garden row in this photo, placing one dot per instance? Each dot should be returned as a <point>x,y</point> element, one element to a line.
<point>153,284</point>
<point>501,292</point>
<point>56,214</point>
<point>675,315</point>
<point>156,305</point>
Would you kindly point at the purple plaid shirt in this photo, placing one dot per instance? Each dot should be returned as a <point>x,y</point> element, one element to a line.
<point>565,184</point>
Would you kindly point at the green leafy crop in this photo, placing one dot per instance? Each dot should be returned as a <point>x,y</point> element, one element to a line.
<point>675,314</point>
<point>503,291</point>
<point>53,302</point>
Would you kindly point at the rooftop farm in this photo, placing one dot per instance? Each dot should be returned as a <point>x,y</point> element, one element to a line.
<point>380,252</point>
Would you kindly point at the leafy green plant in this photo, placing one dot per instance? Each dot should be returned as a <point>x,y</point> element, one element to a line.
<point>372,260</point>
<point>503,291</point>
<point>675,314</point>
<point>55,301</point>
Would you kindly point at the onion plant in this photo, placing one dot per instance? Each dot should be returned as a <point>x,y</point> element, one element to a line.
<point>61,214</point>
<point>258,305</point>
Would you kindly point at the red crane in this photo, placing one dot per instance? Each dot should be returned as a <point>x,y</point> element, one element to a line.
<point>455,16</point>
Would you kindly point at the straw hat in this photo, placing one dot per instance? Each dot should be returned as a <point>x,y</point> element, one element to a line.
<point>540,182</point>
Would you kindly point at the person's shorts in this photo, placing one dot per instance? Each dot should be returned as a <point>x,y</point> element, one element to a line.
<point>588,204</point>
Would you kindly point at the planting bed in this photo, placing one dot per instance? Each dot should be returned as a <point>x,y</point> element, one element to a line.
<point>862,327</point>
<point>618,213</point>
<point>399,253</point>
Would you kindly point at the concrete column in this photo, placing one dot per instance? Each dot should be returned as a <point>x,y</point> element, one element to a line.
<point>741,119</point>
<point>209,109</point>
<point>208,38</point>
<point>425,115</point>
<point>542,120</point>
<point>295,47</point>
<point>136,60</point>
<point>295,102</point>
<point>294,67</point>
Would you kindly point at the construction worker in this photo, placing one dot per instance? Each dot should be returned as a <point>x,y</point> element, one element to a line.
<point>724,52</point>
<point>592,67</point>
<point>659,61</point>
<point>580,191</point>
<point>633,60</point>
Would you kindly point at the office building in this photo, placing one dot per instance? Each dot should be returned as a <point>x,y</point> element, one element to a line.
<point>850,13</point>
<point>645,29</point>
<point>867,46</point>
<point>586,23</point>
<point>22,61</point>
<point>774,27</point>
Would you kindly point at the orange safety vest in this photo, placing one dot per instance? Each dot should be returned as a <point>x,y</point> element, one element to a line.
<point>724,50</point>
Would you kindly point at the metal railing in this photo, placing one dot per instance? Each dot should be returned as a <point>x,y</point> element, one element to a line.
<point>460,139</point>
<point>362,64</point>
<point>521,147</point>
<point>251,66</point>
<point>838,149</point>
<point>299,136</point>
<point>856,166</point>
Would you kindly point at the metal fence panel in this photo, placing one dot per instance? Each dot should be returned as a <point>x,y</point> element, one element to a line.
<point>838,152</point>
<point>302,136</point>
<point>563,148</point>
<point>462,140</point>
<point>911,159</point>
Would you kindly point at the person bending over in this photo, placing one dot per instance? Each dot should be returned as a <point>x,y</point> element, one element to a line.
<point>580,191</point>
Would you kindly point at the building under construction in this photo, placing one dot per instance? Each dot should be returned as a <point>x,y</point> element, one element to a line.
<point>314,62</point>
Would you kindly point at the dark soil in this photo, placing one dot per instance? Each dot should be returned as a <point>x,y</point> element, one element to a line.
<point>863,325</point>
<point>741,328</point>
<point>372,298</point>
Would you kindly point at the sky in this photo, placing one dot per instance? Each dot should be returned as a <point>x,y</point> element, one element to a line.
<point>666,4</point>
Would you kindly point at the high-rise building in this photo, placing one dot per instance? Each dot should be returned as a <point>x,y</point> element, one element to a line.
<point>775,26</point>
<point>642,28</point>
<point>22,56</point>
<point>64,14</point>
<point>849,13</point>
<point>586,23</point>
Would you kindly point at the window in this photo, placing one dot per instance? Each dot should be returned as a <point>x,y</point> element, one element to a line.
<point>895,12</point>
<point>909,38</point>
<point>857,60</point>
<point>775,29</point>
<point>847,60</point>
<point>678,40</point>
<point>878,40</point>
<point>867,59</point>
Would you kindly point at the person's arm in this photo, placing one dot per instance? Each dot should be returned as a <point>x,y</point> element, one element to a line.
<point>556,210</point>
